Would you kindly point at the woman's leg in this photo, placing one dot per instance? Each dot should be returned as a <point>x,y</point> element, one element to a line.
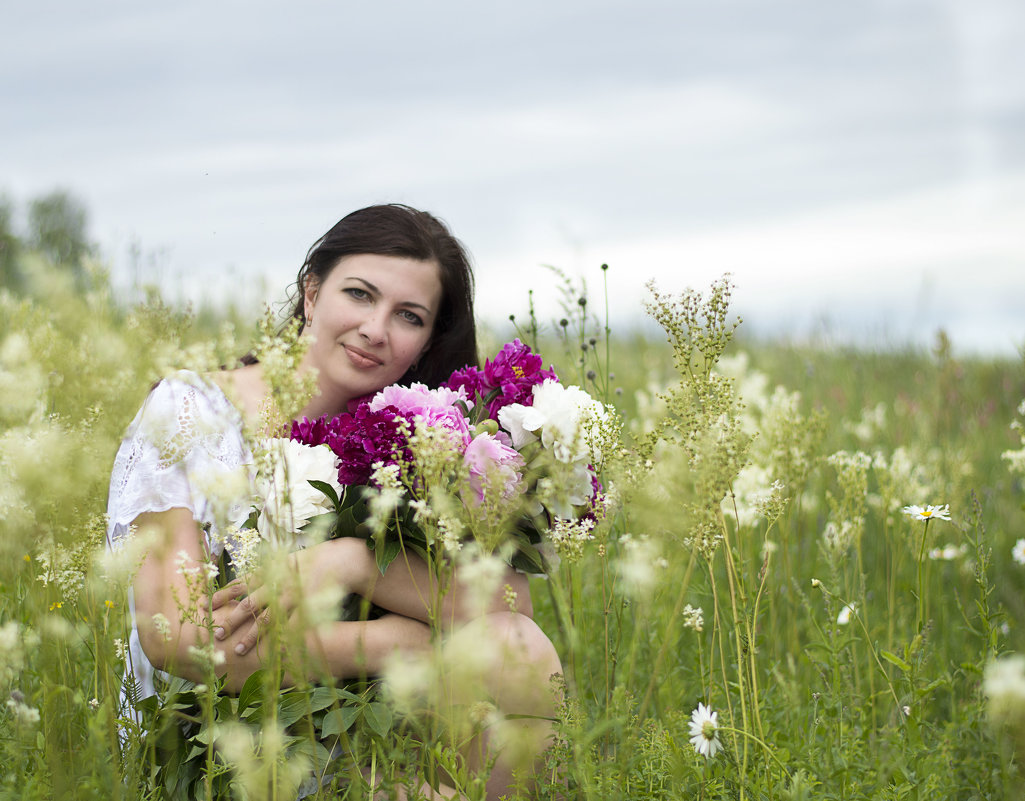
<point>515,661</point>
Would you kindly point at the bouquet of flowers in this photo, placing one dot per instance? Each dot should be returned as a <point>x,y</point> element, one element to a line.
<point>498,456</point>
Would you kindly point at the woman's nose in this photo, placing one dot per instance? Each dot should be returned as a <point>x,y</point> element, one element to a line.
<point>374,327</point>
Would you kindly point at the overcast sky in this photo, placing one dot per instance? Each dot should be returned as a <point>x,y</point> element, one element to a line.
<point>859,167</point>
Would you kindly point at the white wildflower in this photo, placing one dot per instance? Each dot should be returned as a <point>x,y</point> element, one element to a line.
<point>162,626</point>
<point>858,460</point>
<point>636,564</point>
<point>1003,684</point>
<point>568,537</point>
<point>381,505</point>
<point>704,731</point>
<point>206,657</point>
<point>480,576</point>
<point>451,531</point>
<point>846,613</point>
<point>386,476</point>
<point>837,539</point>
<point>23,713</point>
<point>1018,552</point>
<point>243,546</point>
<point>928,512</point>
<point>948,553</point>
<point>693,618</point>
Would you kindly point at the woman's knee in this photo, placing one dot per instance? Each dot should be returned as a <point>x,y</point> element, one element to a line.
<point>524,641</point>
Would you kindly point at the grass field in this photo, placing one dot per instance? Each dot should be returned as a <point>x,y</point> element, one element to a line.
<point>758,562</point>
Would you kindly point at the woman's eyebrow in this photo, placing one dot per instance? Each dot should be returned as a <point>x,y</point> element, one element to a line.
<point>377,291</point>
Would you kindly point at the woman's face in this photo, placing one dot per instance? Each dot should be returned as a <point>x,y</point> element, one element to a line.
<point>372,318</point>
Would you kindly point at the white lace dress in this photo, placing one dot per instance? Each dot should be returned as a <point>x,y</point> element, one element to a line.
<point>185,441</point>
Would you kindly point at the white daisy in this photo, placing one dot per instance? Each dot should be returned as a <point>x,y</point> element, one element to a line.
<point>928,512</point>
<point>1018,552</point>
<point>704,731</point>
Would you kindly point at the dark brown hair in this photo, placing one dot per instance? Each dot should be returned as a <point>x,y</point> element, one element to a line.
<point>398,230</point>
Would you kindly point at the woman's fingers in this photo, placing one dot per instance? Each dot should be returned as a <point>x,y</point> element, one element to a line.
<point>227,593</point>
<point>248,620</point>
<point>249,639</point>
<point>231,616</point>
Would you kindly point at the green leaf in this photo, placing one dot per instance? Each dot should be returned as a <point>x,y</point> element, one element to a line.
<point>291,707</point>
<point>252,691</point>
<point>386,555</point>
<point>327,489</point>
<point>527,558</point>
<point>225,707</point>
<point>339,720</point>
<point>378,718</point>
<point>322,698</point>
<point>896,660</point>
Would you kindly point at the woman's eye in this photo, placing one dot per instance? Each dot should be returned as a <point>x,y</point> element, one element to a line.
<point>357,293</point>
<point>410,317</point>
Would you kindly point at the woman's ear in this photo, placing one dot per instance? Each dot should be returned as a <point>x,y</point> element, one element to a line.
<point>310,297</point>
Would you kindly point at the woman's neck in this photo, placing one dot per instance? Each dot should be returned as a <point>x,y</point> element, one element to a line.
<point>249,391</point>
<point>328,399</point>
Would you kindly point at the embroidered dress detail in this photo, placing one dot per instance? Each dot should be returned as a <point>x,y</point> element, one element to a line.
<point>185,441</point>
<point>184,449</point>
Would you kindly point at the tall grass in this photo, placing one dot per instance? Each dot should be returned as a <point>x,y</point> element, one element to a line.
<point>756,560</point>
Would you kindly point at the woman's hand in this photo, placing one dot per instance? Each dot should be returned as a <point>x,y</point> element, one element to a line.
<point>338,565</point>
<point>408,587</point>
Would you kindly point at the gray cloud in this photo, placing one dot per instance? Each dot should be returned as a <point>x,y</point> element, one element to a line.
<point>233,134</point>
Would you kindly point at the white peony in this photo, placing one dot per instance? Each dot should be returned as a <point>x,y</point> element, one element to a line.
<point>283,486</point>
<point>565,418</point>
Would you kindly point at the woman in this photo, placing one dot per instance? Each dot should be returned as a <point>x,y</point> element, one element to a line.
<point>385,296</point>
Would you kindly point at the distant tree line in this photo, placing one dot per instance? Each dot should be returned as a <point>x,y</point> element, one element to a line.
<point>56,227</point>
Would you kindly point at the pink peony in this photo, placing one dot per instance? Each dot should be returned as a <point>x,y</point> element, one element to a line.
<point>489,462</point>
<point>436,407</point>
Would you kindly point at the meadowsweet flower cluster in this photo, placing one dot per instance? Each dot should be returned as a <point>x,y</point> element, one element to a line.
<point>693,618</point>
<point>569,537</point>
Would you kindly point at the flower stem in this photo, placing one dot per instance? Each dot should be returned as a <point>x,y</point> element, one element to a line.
<point>921,596</point>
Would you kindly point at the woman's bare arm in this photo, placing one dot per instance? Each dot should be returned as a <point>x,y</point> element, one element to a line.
<point>408,587</point>
<point>170,584</point>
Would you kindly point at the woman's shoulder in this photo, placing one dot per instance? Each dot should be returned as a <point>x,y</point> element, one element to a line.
<point>186,388</point>
<point>244,387</point>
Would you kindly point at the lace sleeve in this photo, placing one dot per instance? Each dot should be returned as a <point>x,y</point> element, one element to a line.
<point>184,449</point>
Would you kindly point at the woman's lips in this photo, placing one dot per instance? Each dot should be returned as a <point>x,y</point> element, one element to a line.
<point>361,358</point>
